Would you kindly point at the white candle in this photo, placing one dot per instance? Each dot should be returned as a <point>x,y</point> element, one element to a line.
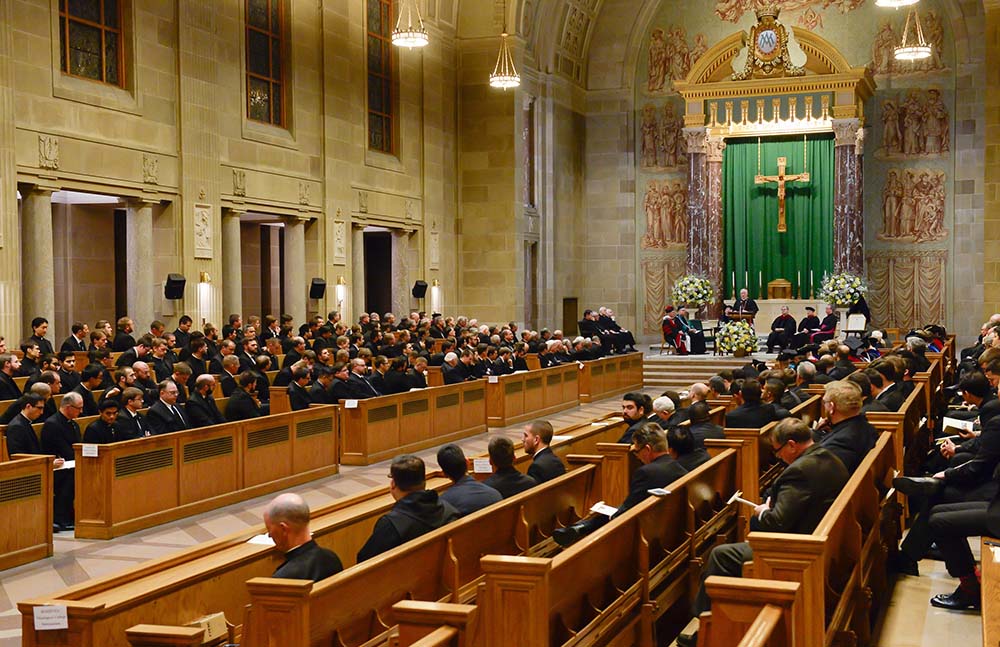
<point>746,279</point>
<point>810,283</point>
<point>760,283</point>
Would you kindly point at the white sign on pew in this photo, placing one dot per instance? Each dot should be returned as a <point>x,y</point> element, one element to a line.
<point>481,466</point>
<point>350,404</point>
<point>89,450</point>
<point>50,617</point>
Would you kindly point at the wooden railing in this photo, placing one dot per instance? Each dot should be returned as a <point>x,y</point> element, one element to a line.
<point>600,378</point>
<point>748,613</point>
<point>522,396</point>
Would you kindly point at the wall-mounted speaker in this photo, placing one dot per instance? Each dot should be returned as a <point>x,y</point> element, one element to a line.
<point>317,288</point>
<point>174,287</point>
<point>419,289</point>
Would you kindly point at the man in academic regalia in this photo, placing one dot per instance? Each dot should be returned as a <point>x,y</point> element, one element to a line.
<point>808,325</point>
<point>782,331</point>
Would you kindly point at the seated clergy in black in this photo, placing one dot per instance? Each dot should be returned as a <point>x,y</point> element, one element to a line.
<point>782,331</point>
<point>635,408</point>
<point>506,480</point>
<point>659,469</point>
<point>417,511</point>
<point>466,494</point>
<point>90,380</point>
<point>751,414</point>
<point>885,384</point>
<point>287,521</point>
<point>164,417</point>
<point>802,495</point>
<point>684,450</point>
<point>201,408</point>
<point>702,427</point>
<point>9,367</point>
<point>545,465</point>
<point>243,403</point>
<point>846,432</point>
<point>21,438</point>
<point>298,389</point>
<point>104,430</point>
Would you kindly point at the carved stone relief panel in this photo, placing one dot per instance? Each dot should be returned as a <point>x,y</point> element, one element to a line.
<point>203,231</point>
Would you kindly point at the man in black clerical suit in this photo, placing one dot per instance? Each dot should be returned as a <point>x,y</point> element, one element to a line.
<point>545,465</point>
<point>359,383</point>
<point>201,408</point>
<point>466,494</point>
<point>844,366</point>
<point>104,430</point>
<point>745,305</point>
<point>164,417</point>
<point>782,331</point>
<point>40,326</point>
<point>59,433</point>
<point>803,493</point>
<point>635,408</point>
<point>319,392</point>
<point>124,340</point>
<point>415,378</point>
<point>131,423</point>
<point>417,510</point>
<point>243,403</point>
<point>396,379</point>
<point>78,340</point>
<point>659,469</point>
<point>227,377</point>
<point>751,413</point>
<point>850,436</point>
<point>702,427</point>
<point>809,324</point>
<point>506,480</point>
<point>9,366</point>
<point>90,380</point>
<point>827,327</point>
<point>886,387</point>
<point>298,393</point>
<point>287,521</point>
<point>684,450</point>
<point>21,438</point>
<point>31,358</point>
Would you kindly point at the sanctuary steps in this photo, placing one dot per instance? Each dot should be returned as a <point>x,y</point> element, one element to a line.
<point>679,373</point>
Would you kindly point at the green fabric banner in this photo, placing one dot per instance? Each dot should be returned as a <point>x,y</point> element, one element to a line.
<point>756,252</point>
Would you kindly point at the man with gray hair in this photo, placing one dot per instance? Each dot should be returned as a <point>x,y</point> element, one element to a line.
<point>805,373</point>
<point>849,435</point>
<point>287,521</point>
<point>918,347</point>
<point>59,433</point>
<point>664,409</point>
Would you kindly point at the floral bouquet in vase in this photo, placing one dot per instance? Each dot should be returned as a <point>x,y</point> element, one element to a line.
<point>842,290</point>
<point>693,291</point>
<point>736,337</point>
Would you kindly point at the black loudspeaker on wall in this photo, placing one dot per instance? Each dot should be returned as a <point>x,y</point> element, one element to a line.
<point>419,289</point>
<point>174,287</point>
<point>317,288</point>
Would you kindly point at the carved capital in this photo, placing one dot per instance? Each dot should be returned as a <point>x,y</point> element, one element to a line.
<point>845,131</point>
<point>859,142</point>
<point>713,147</point>
<point>696,140</point>
<point>304,193</point>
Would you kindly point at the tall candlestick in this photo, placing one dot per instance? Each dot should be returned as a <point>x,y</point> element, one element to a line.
<point>810,284</point>
<point>760,284</point>
<point>798,283</point>
<point>746,278</point>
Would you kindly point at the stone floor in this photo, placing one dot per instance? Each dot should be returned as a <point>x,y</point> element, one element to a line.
<point>911,621</point>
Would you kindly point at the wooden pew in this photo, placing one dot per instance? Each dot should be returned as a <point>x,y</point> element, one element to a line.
<point>912,422</point>
<point>25,507</point>
<point>531,394</point>
<point>434,376</point>
<point>749,613</point>
<point>435,624</point>
<point>188,472</point>
<point>211,577</point>
<point>380,428</point>
<point>841,566</point>
<point>600,378</point>
<point>354,607</point>
<point>635,572</point>
<point>991,590</point>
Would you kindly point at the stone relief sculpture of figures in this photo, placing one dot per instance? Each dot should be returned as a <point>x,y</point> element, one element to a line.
<point>733,10</point>
<point>889,37</point>
<point>883,49</point>
<point>665,205</point>
<point>916,127</point>
<point>662,138</point>
<point>913,206</point>
<point>670,56</point>
<point>934,35</point>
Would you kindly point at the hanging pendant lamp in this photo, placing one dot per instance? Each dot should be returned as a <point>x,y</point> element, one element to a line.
<point>409,33</point>
<point>504,73</point>
<point>895,4</point>
<point>916,48</point>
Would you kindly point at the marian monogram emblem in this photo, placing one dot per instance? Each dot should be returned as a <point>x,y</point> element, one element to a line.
<point>767,49</point>
<point>767,42</point>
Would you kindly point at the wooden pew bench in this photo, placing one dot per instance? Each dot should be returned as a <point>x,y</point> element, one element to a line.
<point>25,507</point>
<point>532,394</point>
<point>607,376</point>
<point>991,590</point>
<point>749,613</point>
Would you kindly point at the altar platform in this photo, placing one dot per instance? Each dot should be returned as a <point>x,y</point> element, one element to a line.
<point>771,308</point>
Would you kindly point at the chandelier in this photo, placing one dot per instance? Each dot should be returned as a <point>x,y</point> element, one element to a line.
<point>895,4</point>
<point>504,73</point>
<point>408,34</point>
<point>916,48</point>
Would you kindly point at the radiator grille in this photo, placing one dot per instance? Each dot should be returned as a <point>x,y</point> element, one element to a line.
<point>202,449</point>
<point>534,383</point>
<point>314,427</point>
<point>416,406</point>
<point>22,487</point>
<point>449,400</point>
<point>512,387</point>
<point>145,462</point>
<point>474,396</point>
<point>597,369</point>
<point>379,414</point>
<point>269,436</point>
<point>552,379</point>
<point>569,377</point>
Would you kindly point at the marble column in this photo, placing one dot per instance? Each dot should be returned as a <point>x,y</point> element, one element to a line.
<point>358,304</point>
<point>848,210</point>
<point>140,288</point>
<point>401,297</point>
<point>38,295</point>
<point>294,287</point>
<point>232,263</point>
<point>705,241</point>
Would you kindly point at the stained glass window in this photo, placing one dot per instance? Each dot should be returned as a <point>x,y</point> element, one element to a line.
<point>90,40</point>
<point>265,78</point>
<point>381,77</point>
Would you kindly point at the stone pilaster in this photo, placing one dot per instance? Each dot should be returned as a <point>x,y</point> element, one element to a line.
<point>141,287</point>
<point>10,259</point>
<point>37,287</point>
<point>401,297</point>
<point>357,272</point>
<point>848,214</point>
<point>232,262</point>
<point>294,287</point>
<point>991,212</point>
<point>705,242</point>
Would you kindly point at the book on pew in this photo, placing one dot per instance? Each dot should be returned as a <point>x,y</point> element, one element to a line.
<point>602,508</point>
<point>957,426</point>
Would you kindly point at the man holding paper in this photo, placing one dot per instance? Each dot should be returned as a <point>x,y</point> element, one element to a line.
<point>800,497</point>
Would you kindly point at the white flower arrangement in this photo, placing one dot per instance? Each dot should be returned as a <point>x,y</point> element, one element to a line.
<point>694,291</point>
<point>736,335</point>
<point>842,290</point>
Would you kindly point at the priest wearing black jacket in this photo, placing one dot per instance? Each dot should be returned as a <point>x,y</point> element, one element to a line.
<point>287,521</point>
<point>782,331</point>
<point>545,465</point>
<point>745,305</point>
<point>809,324</point>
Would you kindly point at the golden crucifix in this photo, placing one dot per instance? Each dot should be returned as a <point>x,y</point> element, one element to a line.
<point>781,178</point>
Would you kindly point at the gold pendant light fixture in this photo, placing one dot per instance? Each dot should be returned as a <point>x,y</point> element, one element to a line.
<point>409,31</point>
<point>504,73</point>
<point>915,48</point>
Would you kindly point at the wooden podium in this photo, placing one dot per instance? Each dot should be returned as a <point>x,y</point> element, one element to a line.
<point>779,289</point>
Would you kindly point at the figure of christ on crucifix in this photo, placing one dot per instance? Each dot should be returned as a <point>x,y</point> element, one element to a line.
<point>781,178</point>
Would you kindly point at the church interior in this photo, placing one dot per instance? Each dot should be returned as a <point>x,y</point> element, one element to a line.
<point>522,161</point>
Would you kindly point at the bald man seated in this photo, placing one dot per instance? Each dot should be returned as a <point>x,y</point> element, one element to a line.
<point>287,521</point>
